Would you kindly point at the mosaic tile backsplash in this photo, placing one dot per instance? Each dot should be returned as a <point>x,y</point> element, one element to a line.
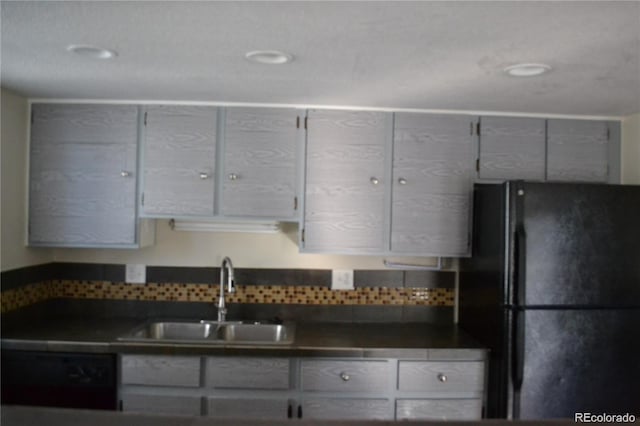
<point>268,287</point>
<point>300,295</point>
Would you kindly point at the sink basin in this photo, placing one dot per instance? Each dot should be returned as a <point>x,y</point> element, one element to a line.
<point>211,332</point>
<point>256,333</point>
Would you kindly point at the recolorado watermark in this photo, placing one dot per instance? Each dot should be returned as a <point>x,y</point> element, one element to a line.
<point>603,418</point>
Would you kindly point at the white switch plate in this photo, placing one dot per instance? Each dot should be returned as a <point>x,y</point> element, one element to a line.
<point>136,274</point>
<point>342,279</point>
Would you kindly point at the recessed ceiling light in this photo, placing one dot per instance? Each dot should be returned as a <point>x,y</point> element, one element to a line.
<point>92,51</point>
<point>269,57</point>
<point>527,70</point>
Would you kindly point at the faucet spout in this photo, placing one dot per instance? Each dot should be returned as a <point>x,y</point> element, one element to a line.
<point>228,267</point>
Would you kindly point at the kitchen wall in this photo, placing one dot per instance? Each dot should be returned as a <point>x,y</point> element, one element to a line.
<point>631,150</point>
<point>13,210</point>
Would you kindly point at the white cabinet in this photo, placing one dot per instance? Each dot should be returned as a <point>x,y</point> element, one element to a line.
<point>432,184</point>
<point>83,176</point>
<point>512,148</point>
<point>307,388</point>
<point>179,159</point>
<point>578,150</point>
<point>260,152</point>
<point>347,183</point>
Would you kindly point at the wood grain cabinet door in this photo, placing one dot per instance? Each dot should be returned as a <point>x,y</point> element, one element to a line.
<point>179,161</point>
<point>260,146</point>
<point>432,184</point>
<point>512,148</point>
<point>346,188</point>
<point>577,150</point>
<point>82,185</point>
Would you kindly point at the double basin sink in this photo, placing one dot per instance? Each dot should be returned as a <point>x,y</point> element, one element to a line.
<point>212,332</point>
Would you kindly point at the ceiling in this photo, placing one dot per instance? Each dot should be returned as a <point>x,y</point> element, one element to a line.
<point>396,55</point>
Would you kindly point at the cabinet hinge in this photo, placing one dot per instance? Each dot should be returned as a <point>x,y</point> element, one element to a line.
<point>295,203</point>
<point>478,128</point>
<point>302,236</point>
<point>477,164</point>
<point>297,122</point>
<point>306,122</point>
<point>145,118</point>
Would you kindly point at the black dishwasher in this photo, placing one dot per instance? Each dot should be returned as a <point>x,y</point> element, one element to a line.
<point>56,379</point>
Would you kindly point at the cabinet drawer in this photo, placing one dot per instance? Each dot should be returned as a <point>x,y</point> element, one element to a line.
<point>248,408</point>
<point>346,408</point>
<point>449,376</point>
<point>345,376</point>
<point>160,370</point>
<point>162,404</point>
<point>248,373</point>
<point>440,409</point>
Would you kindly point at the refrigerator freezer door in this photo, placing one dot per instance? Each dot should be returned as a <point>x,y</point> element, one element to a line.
<point>579,361</point>
<point>582,244</point>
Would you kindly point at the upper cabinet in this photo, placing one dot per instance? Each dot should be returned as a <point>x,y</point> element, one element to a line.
<point>179,159</point>
<point>511,148</point>
<point>347,182</point>
<point>578,151</point>
<point>259,166</point>
<point>83,176</point>
<point>432,184</point>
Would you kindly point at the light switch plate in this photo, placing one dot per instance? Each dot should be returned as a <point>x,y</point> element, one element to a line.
<point>342,279</point>
<point>136,274</point>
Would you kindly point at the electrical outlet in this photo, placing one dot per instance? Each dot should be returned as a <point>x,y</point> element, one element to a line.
<point>342,279</point>
<point>136,274</point>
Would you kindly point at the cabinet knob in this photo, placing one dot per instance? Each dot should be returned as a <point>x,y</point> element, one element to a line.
<point>233,176</point>
<point>374,180</point>
<point>125,173</point>
<point>402,181</point>
<point>442,377</point>
<point>204,175</point>
<point>344,376</point>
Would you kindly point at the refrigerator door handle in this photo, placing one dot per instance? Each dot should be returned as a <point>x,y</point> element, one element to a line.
<point>519,275</point>
<point>517,368</point>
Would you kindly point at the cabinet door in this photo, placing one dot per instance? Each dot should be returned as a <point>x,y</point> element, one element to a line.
<point>173,403</point>
<point>346,408</point>
<point>260,163</point>
<point>249,408</point>
<point>432,158</point>
<point>83,175</point>
<point>438,409</point>
<point>346,188</point>
<point>577,150</point>
<point>159,370</point>
<point>179,161</point>
<point>512,148</point>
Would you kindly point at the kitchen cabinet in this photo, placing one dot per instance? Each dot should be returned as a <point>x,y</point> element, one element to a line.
<point>432,184</point>
<point>578,150</point>
<point>346,182</point>
<point>83,176</point>
<point>259,166</point>
<point>179,159</point>
<point>512,148</point>
<point>445,384</point>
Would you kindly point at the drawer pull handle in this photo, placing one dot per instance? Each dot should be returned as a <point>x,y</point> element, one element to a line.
<point>204,175</point>
<point>344,376</point>
<point>442,377</point>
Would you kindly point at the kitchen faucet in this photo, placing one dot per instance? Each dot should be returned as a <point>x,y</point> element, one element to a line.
<point>222,309</point>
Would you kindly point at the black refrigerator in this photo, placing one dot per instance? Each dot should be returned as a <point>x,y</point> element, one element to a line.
<point>553,290</point>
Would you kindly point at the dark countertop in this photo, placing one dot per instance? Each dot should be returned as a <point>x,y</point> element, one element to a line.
<point>76,334</point>
<point>37,416</point>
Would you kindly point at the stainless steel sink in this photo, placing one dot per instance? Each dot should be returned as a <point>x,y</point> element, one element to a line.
<point>212,332</point>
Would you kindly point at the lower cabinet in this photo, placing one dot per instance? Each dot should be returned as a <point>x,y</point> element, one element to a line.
<point>447,387</point>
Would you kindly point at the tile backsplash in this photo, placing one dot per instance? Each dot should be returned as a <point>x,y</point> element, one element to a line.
<point>253,286</point>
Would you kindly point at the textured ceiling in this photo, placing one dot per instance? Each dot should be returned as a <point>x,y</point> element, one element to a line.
<point>424,55</point>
